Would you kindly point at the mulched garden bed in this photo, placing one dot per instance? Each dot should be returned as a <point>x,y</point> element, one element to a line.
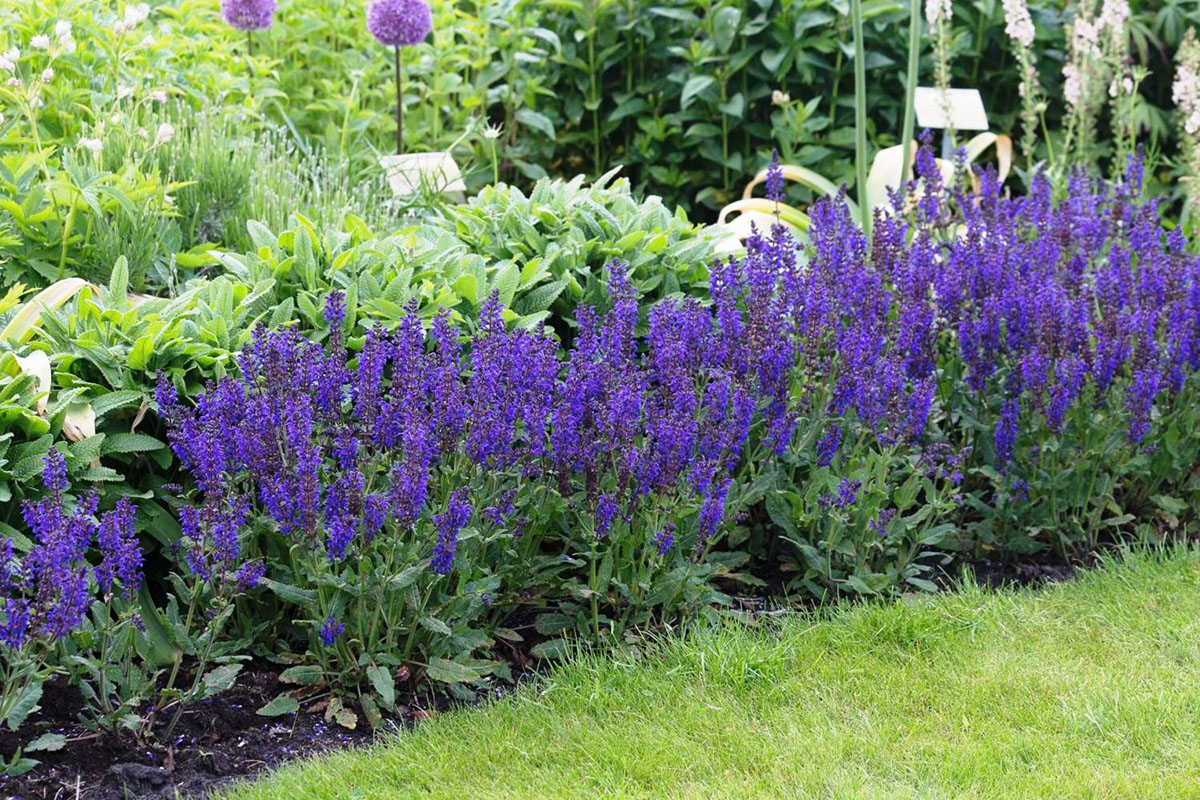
<point>222,739</point>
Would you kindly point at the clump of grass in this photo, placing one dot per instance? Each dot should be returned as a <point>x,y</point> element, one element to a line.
<point>1087,689</point>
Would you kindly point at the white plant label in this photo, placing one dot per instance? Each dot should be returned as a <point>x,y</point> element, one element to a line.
<point>408,173</point>
<point>965,108</point>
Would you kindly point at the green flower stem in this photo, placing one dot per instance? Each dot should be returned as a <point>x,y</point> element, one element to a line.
<point>860,116</point>
<point>399,104</point>
<point>910,89</point>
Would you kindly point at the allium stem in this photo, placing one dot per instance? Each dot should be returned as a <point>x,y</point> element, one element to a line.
<point>860,116</point>
<point>249,43</point>
<point>399,105</point>
<point>910,89</point>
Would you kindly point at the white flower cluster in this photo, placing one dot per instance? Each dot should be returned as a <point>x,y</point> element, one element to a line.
<point>1113,15</point>
<point>1185,92</point>
<point>8,61</point>
<point>1017,22</point>
<point>1085,45</point>
<point>61,43</point>
<point>135,14</point>
<point>938,11</point>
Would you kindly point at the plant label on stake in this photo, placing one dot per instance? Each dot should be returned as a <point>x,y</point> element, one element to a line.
<point>960,109</point>
<point>408,173</point>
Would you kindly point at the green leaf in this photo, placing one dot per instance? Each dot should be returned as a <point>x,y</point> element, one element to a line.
<point>694,86</point>
<point>86,451</point>
<point>19,766</point>
<point>434,625</point>
<point>371,711</point>
<point>221,679</point>
<point>24,705</point>
<point>384,685</point>
<point>47,743</point>
<point>1171,505</point>
<point>283,704</point>
<point>303,675</point>
<point>539,122</point>
<point>447,671</point>
<point>922,584</point>
<point>111,401</point>
<point>306,598</point>
<point>553,649</point>
<point>118,282</point>
<point>130,443</point>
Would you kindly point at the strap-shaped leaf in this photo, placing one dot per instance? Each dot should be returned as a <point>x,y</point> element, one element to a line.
<point>27,318</point>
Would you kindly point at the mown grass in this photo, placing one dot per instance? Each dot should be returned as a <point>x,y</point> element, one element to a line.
<point>1090,689</point>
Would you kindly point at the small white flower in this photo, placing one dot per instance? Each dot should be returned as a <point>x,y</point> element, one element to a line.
<point>146,42</point>
<point>493,132</point>
<point>95,145</point>
<point>15,82</point>
<point>10,58</point>
<point>63,29</point>
<point>1018,24</point>
<point>124,91</point>
<point>119,28</point>
<point>158,96</point>
<point>937,10</point>
<point>1072,86</point>
<point>166,132</point>
<point>1113,14</point>
<point>142,134</point>
<point>136,13</point>
<point>115,119</point>
<point>7,65</point>
<point>780,98</point>
<point>47,74</point>
<point>40,42</point>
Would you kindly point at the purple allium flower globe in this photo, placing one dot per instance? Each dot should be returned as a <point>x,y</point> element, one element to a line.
<point>396,24</point>
<point>248,15</point>
<point>399,23</point>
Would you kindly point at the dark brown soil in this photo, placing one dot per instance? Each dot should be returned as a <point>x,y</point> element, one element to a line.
<point>216,741</point>
<point>1005,574</point>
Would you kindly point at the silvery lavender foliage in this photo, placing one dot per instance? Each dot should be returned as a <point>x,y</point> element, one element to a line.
<point>399,23</point>
<point>248,15</point>
<point>47,593</point>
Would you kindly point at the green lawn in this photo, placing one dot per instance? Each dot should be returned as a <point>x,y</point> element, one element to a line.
<point>1087,689</point>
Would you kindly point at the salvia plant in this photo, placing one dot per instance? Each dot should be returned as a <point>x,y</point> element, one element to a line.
<point>48,586</point>
<point>400,499</point>
<point>985,374</point>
